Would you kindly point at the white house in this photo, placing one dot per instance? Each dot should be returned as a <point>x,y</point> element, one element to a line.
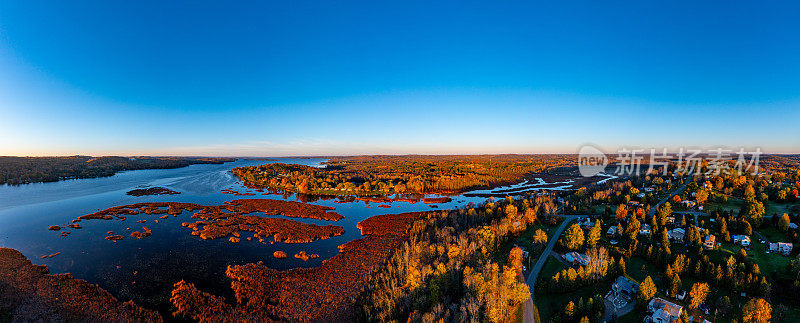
<point>663,311</point>
<point>743,240</point>
<point>612,231</point>
<point>783,247</point>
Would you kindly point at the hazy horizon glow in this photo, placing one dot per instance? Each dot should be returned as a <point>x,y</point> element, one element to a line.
<point>347,78</point>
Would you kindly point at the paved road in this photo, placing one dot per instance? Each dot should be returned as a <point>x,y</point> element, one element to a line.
<point>528,318</point>
<point>680,189</point>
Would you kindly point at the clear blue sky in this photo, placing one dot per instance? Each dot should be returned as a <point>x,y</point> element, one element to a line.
<point>341,77</point>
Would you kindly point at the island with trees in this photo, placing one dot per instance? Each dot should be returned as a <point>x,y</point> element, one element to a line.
<point>414,174</point>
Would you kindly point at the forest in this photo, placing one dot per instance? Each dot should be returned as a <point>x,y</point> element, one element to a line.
<point>378,175</point>
<point>454,266</point>
<point>24,170</point>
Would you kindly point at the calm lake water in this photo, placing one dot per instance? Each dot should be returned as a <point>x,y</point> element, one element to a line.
<point>144,270</point>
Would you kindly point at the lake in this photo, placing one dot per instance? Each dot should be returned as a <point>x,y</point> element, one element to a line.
<point>144,270</point>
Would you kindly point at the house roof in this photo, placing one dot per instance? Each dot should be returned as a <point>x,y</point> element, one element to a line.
<point>624,284</point>
<point>666,307</point>
<point>575,256</point>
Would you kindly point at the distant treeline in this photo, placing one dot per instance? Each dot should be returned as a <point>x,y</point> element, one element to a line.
<point>378,175</point>
<point>23,170</point>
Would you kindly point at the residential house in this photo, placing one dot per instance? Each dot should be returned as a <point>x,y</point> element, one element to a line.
<point>792,225</point>
<point>585,223</point>
<point>663,311</point>
<point>783,247</point>
<point>624,287</point>
<point>710,242</point>
<point>688,203</point>
<point>612,231</point>
<point>645,229</point>
<point>576,259</point>
<point>677,234</point>
<point>741,239</point>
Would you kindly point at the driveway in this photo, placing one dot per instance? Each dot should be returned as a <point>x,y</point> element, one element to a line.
<point>528,318</point>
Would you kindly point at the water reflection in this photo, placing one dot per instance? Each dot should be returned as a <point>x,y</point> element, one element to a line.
<point>145,269</point>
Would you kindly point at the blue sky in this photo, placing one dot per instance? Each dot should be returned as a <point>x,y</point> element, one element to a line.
<point>308,78</point>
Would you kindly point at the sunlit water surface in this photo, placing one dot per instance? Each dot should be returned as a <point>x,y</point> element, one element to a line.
<point>145,270</point>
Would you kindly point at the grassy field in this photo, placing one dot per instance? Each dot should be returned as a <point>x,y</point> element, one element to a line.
<point>733,204</point>
<point>552,304</point>
<point>771,208</point>
<point>769,263</point>
<point>772,234</point>
<point>635,270</point>
<point>550,268</point>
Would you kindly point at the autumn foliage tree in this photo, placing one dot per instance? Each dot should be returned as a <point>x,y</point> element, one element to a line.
<point>756,310</point>
<point>698,294</point>
<point>594,235</point>
<point>515,259</point>
<point>784,222</point>
<point>573,238</point>
<point>647,290</point>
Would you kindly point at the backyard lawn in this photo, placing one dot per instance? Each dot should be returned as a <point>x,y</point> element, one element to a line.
<point>768,263</point>
<point>771,208</point>
<point>733,204</point>
<point>553,303</point>
<point>635,270</point>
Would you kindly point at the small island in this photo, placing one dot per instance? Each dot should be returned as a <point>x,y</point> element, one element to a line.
<point>152,191</point>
